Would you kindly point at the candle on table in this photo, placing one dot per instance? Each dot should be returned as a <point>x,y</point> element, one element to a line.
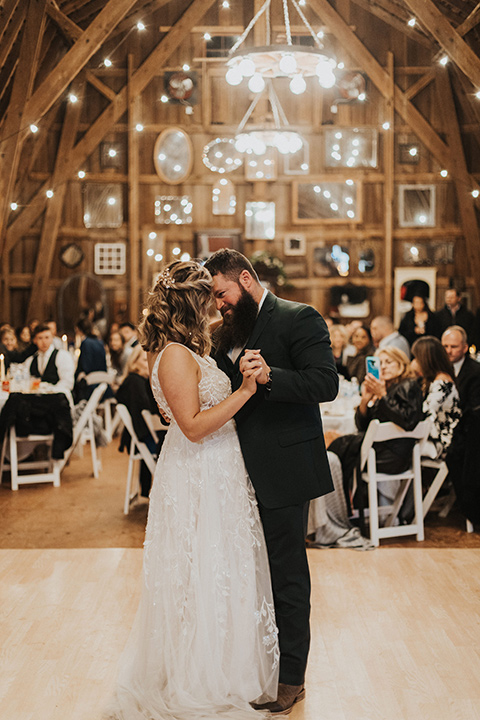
<point>64,342</point>
<point>2,368</point>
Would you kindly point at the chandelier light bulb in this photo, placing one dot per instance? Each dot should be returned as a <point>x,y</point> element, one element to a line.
<point>325,75</point>
<point>234,76</point>
<point>256,83</point>
<point>247,67</point>
<point>298,84</point>
<point>287,64</point>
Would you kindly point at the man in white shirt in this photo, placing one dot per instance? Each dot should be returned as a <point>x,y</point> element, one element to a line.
<point>467,370</point>
<point>52,366</point>
<point>384,335</point>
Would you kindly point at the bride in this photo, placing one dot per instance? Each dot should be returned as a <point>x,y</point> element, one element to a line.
<point>204,641</point>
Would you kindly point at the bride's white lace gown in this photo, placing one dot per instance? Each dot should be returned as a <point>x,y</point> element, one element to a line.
<point>204,642</point>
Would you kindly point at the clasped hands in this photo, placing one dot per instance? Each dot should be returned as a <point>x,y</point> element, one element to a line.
<point>251,362</point>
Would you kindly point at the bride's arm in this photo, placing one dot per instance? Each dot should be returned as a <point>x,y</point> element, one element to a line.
<point>179,375</point>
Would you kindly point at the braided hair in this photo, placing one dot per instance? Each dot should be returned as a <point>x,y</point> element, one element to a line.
<point>177,308</point>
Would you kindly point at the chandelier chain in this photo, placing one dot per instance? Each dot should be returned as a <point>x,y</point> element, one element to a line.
<point>252,22</point>
<point>287,22</point>
<point>305,21</point>
<point>250,110</point>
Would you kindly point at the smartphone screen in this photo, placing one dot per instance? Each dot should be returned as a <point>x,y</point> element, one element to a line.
<point>373,366</point>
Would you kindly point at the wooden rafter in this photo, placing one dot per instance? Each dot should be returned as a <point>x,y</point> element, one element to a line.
<point>13,131</point>
<point>97,131</point>
<point>76,58</point>
<point>11,34</point>
<point>460,174</point>
<point>390,18</point>
<point>69,29</point>
<point>449,39</point>
<point>100,86</point>
<point>7,15</point>
<point>53,214</point>
<point>470,22</point>
<point>381,80</point>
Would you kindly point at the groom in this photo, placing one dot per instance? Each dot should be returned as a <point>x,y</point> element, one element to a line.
<point>281,436</point>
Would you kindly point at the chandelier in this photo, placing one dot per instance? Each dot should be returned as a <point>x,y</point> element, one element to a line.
<point>277,134</point>
<point>273,60</point>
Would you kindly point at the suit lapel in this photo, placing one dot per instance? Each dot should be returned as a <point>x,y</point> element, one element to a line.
<point>262,320</point>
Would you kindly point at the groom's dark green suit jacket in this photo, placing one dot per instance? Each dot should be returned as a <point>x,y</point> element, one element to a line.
<point>280,430</point>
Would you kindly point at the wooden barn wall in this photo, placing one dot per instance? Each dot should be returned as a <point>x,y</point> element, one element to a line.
<point>218,112</point>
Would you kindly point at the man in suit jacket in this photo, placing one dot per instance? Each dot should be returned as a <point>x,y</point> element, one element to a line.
<point>281,436</point>
<point>454,313</point>
<point>467,370</point>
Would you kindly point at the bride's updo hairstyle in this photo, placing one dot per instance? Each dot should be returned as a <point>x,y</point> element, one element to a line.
<point>177,308</point>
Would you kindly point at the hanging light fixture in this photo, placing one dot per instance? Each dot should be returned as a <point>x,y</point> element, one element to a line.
<point>273,60</point>
<point>278,134</point>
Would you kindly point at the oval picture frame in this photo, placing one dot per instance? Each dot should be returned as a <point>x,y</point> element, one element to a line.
<point>173,155</point>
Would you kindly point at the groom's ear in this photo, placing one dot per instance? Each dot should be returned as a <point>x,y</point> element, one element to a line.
<point>245,280</point>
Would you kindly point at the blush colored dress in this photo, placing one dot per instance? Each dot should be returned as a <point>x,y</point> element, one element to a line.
<point>204,643</point>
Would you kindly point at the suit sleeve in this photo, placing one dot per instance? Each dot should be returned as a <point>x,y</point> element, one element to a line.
<point>314,377</point>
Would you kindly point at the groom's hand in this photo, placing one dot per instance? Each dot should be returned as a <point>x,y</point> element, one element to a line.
<point>249,359</point>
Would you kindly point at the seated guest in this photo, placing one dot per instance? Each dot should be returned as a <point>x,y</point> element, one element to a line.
<point>115,357</point>
<point>92,358</point>
<point>396,397</point>
<point>136,394</point>
<point>442,402</point>
<point>454,313</point>
<point>466,369</point>
<point>384,335</point>
<point>54,367</point>
<point>338,341</point>
<point>128,331</point>
<point>9,349</point>
<point>420,320</point>
<point>57,341</point>
<point>362,342</point>
<point>24,337</point>
<point>8,339</point>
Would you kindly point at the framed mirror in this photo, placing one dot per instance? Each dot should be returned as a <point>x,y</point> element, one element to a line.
<point>327,201</point>
<point>416,205</point>
<point>220,155</point>
<point>173,156</point>
<point>224,201</point>
<point>103,205</point>
<point>176,209</point>
<point>351,147</point>
<point>260,220</point>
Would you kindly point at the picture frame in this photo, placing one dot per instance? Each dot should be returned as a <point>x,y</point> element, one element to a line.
<point>294,244</point>
<point>327,200</point>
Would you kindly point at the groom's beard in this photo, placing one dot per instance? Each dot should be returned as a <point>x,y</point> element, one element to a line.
<point>238,323</point>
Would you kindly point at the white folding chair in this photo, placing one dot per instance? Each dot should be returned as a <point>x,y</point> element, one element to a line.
<point>24,446</point>
<point>84,430</point>
<point>138,451</point>
<point>154,423</point>
<point>378,432</point>
<point>437,482</point>
<point>109,422</point>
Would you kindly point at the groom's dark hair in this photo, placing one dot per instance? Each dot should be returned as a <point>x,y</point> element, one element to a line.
<point>230,263</point>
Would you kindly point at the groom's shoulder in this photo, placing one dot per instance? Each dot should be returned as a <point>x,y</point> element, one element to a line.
<point>293,308</point>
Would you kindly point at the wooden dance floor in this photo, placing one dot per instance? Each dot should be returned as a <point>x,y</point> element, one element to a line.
<point>396,633</point>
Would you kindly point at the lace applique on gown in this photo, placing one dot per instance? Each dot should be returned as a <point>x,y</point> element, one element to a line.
<point>204,642</point>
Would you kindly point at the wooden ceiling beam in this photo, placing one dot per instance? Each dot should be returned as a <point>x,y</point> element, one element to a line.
<point>76,58</point>
<point>69,29</point>
<point>470,22</point>
<point>100,86</point>
<point>460,174</point>
<point>53,214</point>
<point>420,84</point>
<point>11,34</point>
<point>140,79</point>
<point>448,38</point>
<point>7,15</point>
<point>381,80</point>
<point>13,130</point>
<point>381,11</point>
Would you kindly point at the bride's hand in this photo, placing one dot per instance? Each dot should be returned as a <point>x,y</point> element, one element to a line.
<point>250,375</point>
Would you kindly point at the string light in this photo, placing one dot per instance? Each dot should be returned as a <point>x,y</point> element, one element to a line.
<point>412,22</point>
<point>225,4</point>
<point>150,252</point>
<point>111,201</point>
<point>386,126</point>
<point>475,193</point>
<point>140,25</point>
<point>49,193</point>
<point>443,60</point>
<point>81,174</point>
<point>159,257</point>
<point>185,67</point>
<point>164,99</point>
<point>14,205</point>
<point>152,236</point>
<point>444,173</point>
<point>33,128</point>
<point>139,127</point>
<point>176,251</point>
<point>477,95</point>
<point>73,98</point>
<point>207,36</point>
<point>107,62</point>
<point>362,97</point>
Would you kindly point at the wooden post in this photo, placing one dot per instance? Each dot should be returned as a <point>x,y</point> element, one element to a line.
<point>388,188</point>
<point>133,200</point>
<point>461,178</point>
<point>53,214</point>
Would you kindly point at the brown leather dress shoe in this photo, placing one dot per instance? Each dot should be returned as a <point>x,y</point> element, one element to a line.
<point>287,696</point>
